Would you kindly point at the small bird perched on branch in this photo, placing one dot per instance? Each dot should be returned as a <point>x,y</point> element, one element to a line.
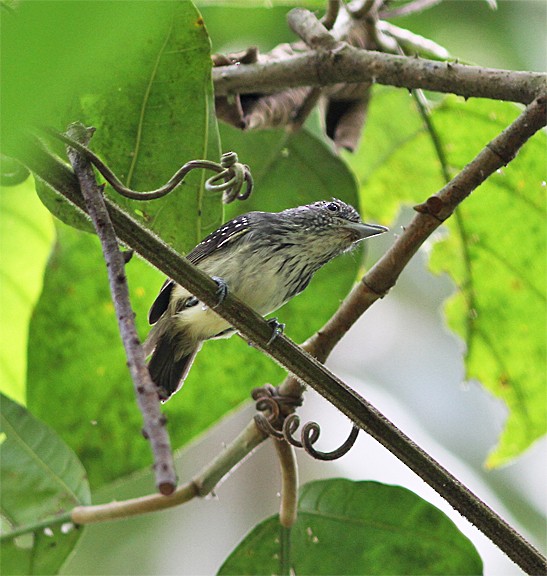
<point>263,258</point>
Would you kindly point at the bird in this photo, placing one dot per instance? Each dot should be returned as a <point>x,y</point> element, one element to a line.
<point>263,258</point>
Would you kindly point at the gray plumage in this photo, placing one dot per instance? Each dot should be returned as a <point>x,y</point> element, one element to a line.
<point>265,259</point>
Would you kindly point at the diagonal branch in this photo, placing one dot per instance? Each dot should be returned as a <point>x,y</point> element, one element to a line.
<point>384,274</point>
<point>348,64</point>
<point>376,282</point>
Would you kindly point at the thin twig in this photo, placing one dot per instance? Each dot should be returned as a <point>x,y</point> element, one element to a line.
<point>201,485</point>
<point>147,396</point>
<point>364,10</point>
<point>348,64</point>
<point>133,507</point>
<point>413,43</point>
<point>375,283</point>
<point>312,32</point>
<point>409,8</point>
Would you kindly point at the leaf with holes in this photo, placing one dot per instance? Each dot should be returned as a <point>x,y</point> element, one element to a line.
<point>496,249</point>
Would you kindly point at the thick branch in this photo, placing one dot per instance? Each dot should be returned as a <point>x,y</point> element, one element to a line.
<point>347,64</point>
<point>379,279</point>
<point>147,397</point>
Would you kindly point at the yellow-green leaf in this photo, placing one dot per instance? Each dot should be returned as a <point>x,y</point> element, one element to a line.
<point>26,238</point>
<point>495,250</point>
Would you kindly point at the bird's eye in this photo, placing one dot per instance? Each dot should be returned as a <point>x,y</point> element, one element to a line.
<point>333,207</point>
<point>191,302</point>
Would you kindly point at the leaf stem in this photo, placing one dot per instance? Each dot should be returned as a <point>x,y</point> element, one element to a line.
<point>289,482</point>
<point>468,286</point>
<point>35,526</point>
<point>285,551</point>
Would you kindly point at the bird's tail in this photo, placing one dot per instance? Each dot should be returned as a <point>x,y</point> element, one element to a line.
<point>168,366</point>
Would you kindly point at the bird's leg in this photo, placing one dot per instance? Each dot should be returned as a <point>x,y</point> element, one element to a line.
<point>277,328</point>
<point>222,292</point>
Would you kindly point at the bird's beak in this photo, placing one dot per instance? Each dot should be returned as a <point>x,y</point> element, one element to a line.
<point>363,230</point>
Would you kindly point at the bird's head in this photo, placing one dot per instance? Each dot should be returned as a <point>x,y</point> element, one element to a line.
<point>334,219</point>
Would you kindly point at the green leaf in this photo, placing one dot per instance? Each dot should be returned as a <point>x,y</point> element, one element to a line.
<point>495,251</point>
<point>82,40</point>
<point>88,362</point>
<point>26,237</point>
<point>347,527</point>
<point>42,480</point>
<point>155,114</point>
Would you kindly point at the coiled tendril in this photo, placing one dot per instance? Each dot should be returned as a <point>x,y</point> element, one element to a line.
<point>230,179</point>
<point>281,423</point>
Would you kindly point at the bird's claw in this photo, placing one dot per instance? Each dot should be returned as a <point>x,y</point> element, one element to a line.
<point>277,328</point>
<point>222,290</point>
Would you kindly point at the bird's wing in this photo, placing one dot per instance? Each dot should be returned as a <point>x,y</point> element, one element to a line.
<point>222,238</point>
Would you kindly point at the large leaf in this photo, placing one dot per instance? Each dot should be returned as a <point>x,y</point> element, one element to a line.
<point>496,253</point>
<point>26,237</point>
<point>155,114</point>
<point>347,527</point>
<point>42,480</point>
<point>496,249</point>
<point>89,363</point>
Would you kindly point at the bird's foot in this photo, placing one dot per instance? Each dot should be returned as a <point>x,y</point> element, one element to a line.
<point>222,290</point>
<point>277,328</point>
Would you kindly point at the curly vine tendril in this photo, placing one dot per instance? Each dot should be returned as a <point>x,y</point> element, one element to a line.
<point>230,179</point>
<point>283,426</point>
